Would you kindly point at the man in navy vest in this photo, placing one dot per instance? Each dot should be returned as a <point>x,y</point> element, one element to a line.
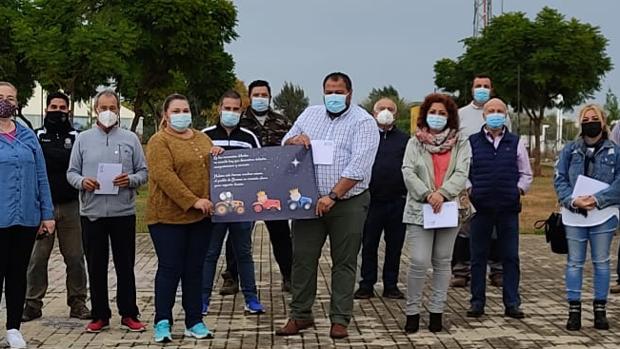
<point>500,173</point>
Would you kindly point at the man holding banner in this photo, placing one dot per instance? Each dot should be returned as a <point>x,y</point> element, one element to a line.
<point>344,142</point>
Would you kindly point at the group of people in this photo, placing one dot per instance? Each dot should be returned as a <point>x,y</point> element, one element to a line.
<point>380,182</point>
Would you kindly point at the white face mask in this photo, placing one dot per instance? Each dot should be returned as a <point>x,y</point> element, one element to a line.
<point>385,117</point>
<point>107,118</point>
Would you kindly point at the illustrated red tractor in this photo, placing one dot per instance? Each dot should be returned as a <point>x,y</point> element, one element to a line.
<point>265,203</point>
<point>228,205</point>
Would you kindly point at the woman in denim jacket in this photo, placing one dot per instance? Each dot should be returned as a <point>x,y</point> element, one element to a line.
<point>592,155</point>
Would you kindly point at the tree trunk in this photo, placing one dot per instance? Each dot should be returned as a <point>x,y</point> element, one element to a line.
<point>138,110</point>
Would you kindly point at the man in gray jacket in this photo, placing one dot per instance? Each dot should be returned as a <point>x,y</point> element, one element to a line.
<point>107,210</point>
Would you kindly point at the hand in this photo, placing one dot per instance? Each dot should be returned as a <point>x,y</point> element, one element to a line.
<point>215,151</point>
<point>205,206</point>
<point>90,184</point>
<point>122,180</point>
<point>585,202</point>
<point>47,227</point>
<point>324,205</point>
<point>435,200</point>
<point>301,139</point>
<point>590,202</point>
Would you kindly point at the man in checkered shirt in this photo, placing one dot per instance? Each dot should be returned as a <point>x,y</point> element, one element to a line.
<point>351,134</point>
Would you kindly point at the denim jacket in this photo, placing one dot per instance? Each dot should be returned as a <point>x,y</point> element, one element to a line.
<point>571,164</point>
<point>25,192</point>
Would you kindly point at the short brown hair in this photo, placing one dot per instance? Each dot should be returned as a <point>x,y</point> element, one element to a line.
<point>451,108</point>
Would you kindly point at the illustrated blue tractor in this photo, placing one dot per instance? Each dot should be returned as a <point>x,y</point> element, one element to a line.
<point>303,202</point>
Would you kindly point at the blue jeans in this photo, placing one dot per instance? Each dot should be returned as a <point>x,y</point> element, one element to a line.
<point>240,236</point>
<point>181,250</point>
<point>600,237</point>
<point>507,227</point>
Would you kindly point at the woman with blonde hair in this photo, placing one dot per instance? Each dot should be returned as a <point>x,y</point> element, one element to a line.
<point>589,219</point>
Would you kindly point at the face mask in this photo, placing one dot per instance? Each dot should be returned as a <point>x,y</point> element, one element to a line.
<point>436,122</point>
<point>107,118</point>
<point>591,129</point>
<point>260,104</point>
<point>481,95</point>
<point>385,117</point>
<point>229,118</point>
<point>6,109</point>
<point>181,121</point>
<point>57,120</point>
<point>496,120</point>
<point>335,103</point>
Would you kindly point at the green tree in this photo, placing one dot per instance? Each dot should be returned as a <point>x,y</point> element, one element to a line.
<point>552,55</point>
<point>403,118</point>
<point>291,100</point>
<point>611,107</point>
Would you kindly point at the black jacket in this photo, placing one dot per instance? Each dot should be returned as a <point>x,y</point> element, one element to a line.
<point>239,138</point>
<point>387,182</point>
<point>56,145</point>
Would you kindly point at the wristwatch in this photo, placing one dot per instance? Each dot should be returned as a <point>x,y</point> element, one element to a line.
<point>332,195</point>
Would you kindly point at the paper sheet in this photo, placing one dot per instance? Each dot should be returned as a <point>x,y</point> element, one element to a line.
<point>323,152</point>
<point>106,173</point>
<point>448,217</point>
<point>588,186</point>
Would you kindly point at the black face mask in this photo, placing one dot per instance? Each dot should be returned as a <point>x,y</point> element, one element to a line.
<point>591,129</point>
<point>57,120</point>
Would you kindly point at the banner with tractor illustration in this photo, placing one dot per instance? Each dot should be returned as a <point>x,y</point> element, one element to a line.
<point>263,184</point>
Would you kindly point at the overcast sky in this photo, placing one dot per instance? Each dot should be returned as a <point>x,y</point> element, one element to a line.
<point>378,43</point>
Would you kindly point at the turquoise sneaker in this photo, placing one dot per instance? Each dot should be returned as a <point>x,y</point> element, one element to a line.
<point>198,331</point>
<point>162,332</point>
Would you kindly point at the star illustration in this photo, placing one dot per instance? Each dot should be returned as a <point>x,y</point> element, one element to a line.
<point>295,162</point>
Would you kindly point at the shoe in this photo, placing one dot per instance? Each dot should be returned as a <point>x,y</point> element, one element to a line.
<point>615,288</point>
<point>458,281</point>
<point>364,293</point>
<point>574,316</point>
<point>514,312</point>
<point>205,308</point>
<point>15,339</point>
<point>253,306</point>
<point>393,293</point>
<point>475,312</point>
<point>286,286</point>
<point>293,327</point>
<point>435,322</point>
<point>600,315</point>
<point>80,312</point>
<point>338,331</point>
<point>497,280</point>
<point>132,324</point>
<point>162,332</point>
<point>230,287</point>
<point>413,323</point>
<point>198,331</point>
<point>97,326</point>
<point>31,313</point>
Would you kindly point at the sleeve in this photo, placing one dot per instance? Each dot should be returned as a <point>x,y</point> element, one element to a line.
<point>161,165</point>
<point>74,172</point>
<point>455,184</point>
<point>611,195</point>
<point>140,171</point>
<point>561,181</point>
<point>415,186</point>
<point>615,134</point>
<point>525,168</point>
<point>45,195</point>
<point>365,144</point>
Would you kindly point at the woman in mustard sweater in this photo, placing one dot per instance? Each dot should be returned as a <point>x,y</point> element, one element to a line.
<point>178,215</point>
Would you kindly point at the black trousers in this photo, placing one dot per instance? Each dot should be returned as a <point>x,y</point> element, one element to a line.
<point>97,235</point>
<point>280,236</point>
<point>16,243</point>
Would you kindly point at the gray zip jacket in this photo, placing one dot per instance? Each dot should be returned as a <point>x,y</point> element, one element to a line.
<point>94,146</point>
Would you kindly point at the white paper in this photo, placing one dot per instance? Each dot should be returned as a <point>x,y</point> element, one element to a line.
<point>323,152</point>
<point>588,186</point>
<point>105,176</point>
<point>448,217</point>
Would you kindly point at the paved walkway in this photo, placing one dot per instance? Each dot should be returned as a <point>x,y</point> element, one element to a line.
<point>377,323</point>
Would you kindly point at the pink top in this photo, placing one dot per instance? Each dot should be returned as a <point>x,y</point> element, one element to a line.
<point>9,136</point>
<point>440,167</point>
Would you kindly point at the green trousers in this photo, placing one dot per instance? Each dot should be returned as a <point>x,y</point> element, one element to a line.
<point>343,225</point>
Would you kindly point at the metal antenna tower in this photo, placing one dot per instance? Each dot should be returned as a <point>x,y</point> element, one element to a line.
<point>483,11</point>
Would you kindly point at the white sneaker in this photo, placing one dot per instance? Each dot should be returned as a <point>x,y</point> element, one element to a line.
<point>15,339</point>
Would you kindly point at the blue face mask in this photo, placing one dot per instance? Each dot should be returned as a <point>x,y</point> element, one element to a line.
<point>335,103</point>
<point>495,120</point>
<point>260,104</point>
<point>436,122</point>
<point>482,95</point>
<point>181,121</point>
<point>229,118</point>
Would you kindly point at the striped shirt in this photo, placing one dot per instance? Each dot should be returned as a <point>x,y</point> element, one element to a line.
<point>239,137</point>
<point>355,138</point>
